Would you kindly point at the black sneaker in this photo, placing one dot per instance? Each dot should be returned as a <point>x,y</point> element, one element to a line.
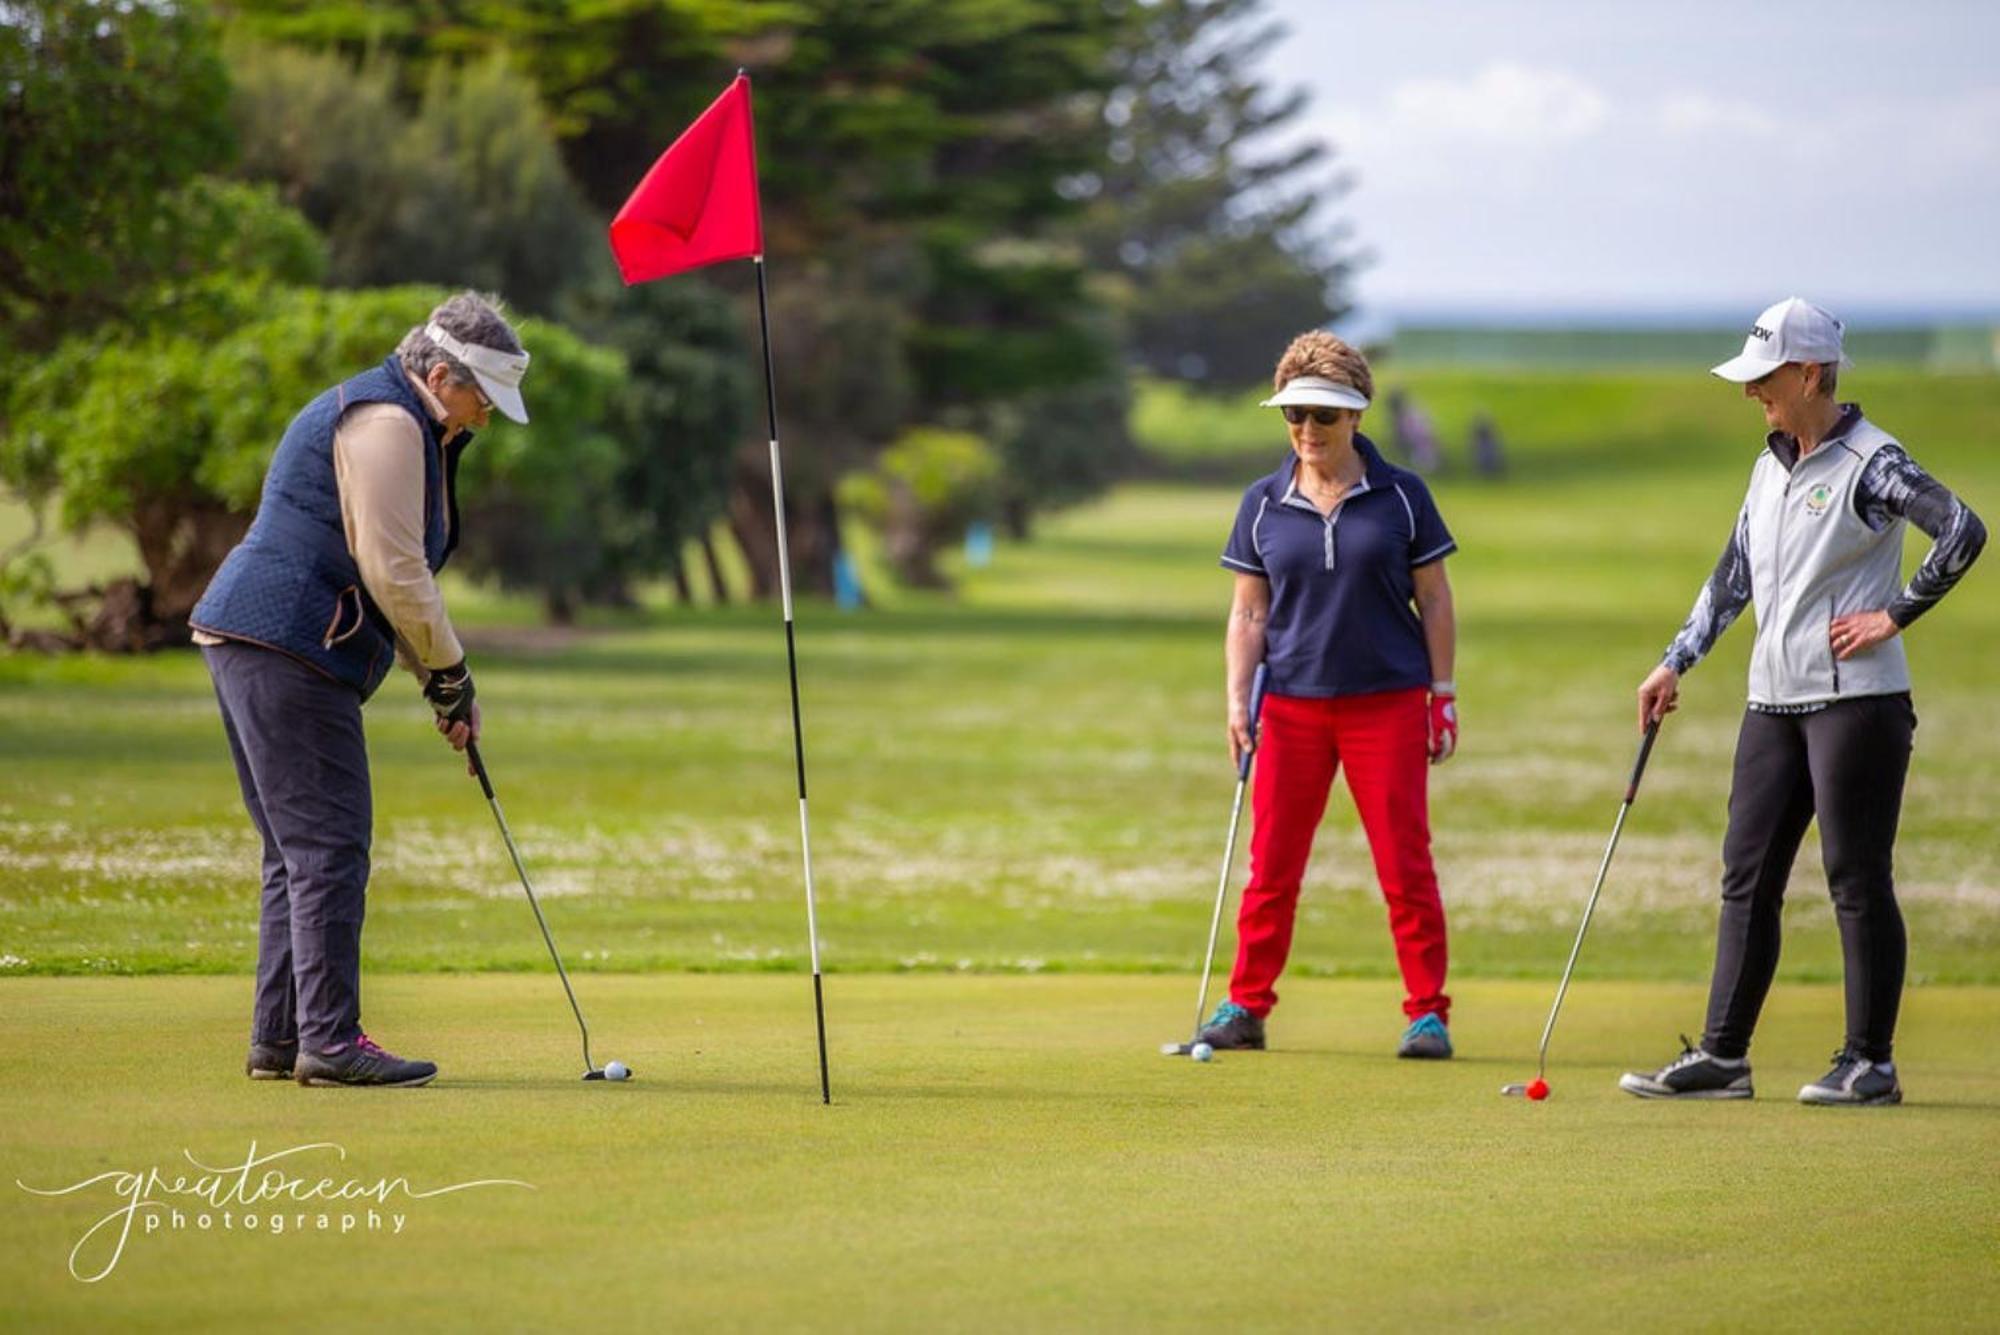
<point>1426,1040</point>
<point>361,1062</point>
<point>1692,1075</point>
<point>1855,1082</point>
<point>271,1061</point>
<point>1232,1028</point>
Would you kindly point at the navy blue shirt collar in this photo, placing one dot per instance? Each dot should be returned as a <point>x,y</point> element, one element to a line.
<point>1785,447</point>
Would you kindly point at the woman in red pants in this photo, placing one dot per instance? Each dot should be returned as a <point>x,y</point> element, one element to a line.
<point>1341,590</point>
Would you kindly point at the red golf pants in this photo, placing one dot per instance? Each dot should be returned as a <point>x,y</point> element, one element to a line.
<point>1384,740</point>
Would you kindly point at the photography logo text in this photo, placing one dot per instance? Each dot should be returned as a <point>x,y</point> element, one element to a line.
<point>265,1194</point>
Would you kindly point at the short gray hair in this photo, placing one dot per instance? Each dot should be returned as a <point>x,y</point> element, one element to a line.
<point>1829,378</point>
<point>469,317</point>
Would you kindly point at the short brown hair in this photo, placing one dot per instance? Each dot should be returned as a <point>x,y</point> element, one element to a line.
<point>1319,353</point>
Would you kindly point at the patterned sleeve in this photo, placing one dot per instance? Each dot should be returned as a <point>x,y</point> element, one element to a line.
<point>1720,602</point>
<point>1894,487</point>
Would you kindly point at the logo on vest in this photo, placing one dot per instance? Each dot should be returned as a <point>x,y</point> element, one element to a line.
<point>1818,499</point>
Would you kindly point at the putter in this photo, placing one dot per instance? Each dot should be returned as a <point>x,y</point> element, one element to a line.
<point>1522,1090</point>
<point>1257,684</point>
<point>591,1071</point>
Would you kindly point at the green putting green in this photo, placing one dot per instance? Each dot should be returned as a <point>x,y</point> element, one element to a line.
<point>1002,1154</point>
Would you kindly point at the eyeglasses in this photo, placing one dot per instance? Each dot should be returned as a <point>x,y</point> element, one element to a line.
<point>485,404</point>
<point>1324,416</point>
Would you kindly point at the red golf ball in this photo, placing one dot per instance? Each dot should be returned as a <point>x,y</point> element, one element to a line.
<point>1538,1090</point>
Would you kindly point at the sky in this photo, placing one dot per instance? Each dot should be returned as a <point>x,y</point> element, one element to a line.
<point>1539,156</point>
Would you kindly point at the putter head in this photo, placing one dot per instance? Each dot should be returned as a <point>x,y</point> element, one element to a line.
<point>1175,1049</point>
<point>1514,1091</point>
<point>593,1074</point>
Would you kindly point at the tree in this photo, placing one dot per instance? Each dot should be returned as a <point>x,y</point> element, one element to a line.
<point>678,416</point>
<point>463,186</point>
<point>1211,222</point>
<point>167,433</point>
<point>910,152</point>
<point>922,492</point>
<point>136,94</point>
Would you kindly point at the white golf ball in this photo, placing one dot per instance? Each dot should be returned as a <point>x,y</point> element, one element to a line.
<point>1201,1052</point>
<point>616,1071</point>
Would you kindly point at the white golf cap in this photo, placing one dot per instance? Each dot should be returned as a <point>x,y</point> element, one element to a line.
<point>1794,330</point>
<point>1313,391</point>
<point>498,373</point>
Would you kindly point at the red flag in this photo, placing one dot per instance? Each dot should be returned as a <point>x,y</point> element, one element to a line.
<point>698,205</point>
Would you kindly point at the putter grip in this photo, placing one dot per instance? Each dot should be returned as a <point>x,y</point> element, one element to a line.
<point>479,768</point>
<point>1639,765</point>
<point>1258,682</point>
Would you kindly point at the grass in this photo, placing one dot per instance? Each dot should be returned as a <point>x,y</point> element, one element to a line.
<point>1005,1154</point>
<point>1030,778</point>
<point>1027,780</point>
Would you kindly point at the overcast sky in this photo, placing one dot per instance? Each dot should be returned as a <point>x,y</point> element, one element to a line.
<point>1514,155</point>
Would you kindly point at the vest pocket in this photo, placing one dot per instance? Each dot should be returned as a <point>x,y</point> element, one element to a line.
<point>347,616</point>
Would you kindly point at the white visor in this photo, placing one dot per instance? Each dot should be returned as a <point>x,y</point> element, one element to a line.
<point>1312,391</point>
<point>498,373</point>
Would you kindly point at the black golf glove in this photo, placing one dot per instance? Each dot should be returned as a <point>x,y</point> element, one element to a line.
<point>449,690</point>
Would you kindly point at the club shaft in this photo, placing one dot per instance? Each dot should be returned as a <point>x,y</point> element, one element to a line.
<point>792,670</point>
<point>1221,894</point>
<point>1576,947</point>
<point>506,834</point>
<point>1652,735</point>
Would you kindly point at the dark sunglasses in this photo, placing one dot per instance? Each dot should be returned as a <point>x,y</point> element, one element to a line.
<point>1324,416</point>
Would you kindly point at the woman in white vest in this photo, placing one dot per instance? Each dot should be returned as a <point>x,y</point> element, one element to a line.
<point>1818,549</point>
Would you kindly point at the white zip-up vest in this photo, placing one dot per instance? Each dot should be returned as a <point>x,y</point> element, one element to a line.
<point>1811,560</point>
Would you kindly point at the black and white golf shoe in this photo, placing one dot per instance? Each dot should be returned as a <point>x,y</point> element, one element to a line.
<point>271,1061</point>
<point>1692,1075</point>
<point>1855,1082</point>
<point>1232,1028</point>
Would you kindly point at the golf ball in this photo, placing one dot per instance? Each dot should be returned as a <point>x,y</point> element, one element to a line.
<point>1538,1090</point>
<point>616,1071</point>
<point>1201,1052</point>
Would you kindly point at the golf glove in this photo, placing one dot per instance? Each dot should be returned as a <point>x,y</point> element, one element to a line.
<point>1444,722</point>
<point>449,690</point>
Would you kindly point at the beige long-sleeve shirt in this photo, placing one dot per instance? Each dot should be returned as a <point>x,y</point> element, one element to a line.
<point>378,465</point>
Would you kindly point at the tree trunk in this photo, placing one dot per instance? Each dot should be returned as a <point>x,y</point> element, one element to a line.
<point>718,587</point>
<point>559,605</point>
<point>1016,517</point>
<point>811,538</point>
<point>683,591</point>
<point>181,540</point>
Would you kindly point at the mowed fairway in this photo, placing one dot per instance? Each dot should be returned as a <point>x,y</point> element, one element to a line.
<point>1019,800</point>
<point>1003,1154</point>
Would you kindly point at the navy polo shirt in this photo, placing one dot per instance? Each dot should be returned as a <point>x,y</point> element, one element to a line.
<point>1342,620</point>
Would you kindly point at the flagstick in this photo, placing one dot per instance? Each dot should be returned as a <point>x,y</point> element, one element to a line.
<point>792,661</point>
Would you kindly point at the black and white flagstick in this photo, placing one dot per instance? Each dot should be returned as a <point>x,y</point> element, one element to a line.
<point>792,662</point>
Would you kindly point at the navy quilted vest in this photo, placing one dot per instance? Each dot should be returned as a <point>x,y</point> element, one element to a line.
<point>291,584</point>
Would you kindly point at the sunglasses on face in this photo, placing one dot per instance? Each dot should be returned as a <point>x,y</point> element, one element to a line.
<point>1324,416</point>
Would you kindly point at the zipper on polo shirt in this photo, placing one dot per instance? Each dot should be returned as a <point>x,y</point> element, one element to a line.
<point>1327,521</point>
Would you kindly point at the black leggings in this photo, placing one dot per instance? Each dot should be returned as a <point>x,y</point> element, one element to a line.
<point>1845,764</point>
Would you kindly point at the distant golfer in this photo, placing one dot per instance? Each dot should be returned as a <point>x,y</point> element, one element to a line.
<point>1818,548</point>
<point>1340,588</point>
<point>333,583</point>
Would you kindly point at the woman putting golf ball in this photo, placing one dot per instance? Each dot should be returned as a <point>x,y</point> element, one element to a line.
<point>1341,593</point>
